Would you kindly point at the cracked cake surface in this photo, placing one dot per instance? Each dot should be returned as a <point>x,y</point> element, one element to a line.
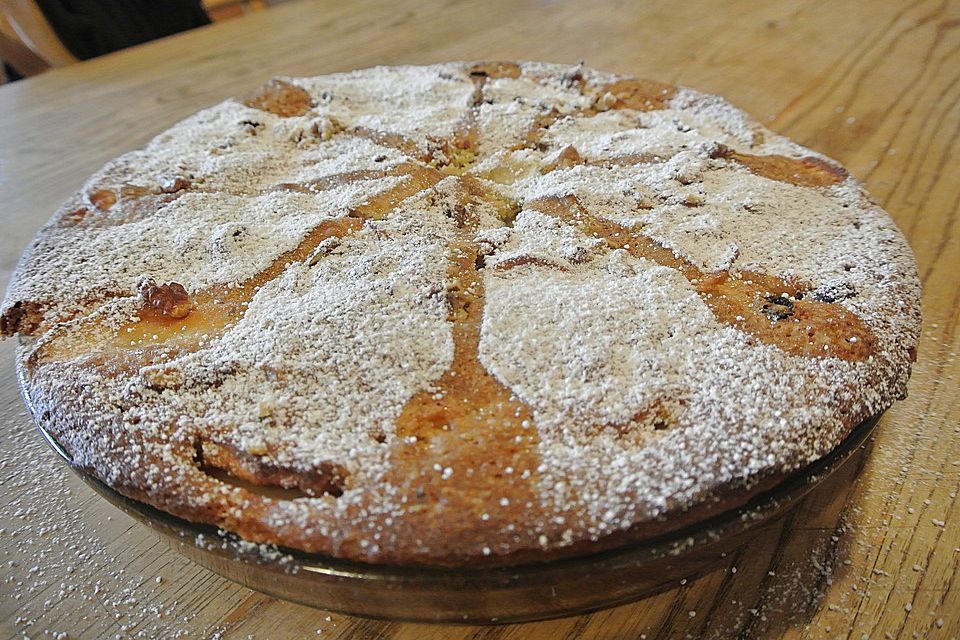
<point>460,314</point>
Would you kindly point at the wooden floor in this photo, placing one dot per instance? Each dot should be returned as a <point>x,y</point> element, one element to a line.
<point>873,83</point>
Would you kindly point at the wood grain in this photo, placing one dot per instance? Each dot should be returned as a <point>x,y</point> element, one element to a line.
<point>875,84</point>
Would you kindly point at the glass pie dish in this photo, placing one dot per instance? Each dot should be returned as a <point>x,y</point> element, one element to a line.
<point>502,594</point>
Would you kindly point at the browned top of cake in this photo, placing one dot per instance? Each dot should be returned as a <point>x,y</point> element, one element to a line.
<point>461,313</point>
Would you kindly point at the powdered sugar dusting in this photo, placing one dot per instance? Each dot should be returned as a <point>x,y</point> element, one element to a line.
<point>643,401</point>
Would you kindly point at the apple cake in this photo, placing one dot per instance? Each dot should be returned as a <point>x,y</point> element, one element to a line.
<point>461,314</point>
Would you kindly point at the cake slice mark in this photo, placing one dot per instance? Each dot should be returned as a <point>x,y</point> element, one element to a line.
<point>506,208</point>
<point>525,260</point>
<point>803,172</point>
<point>416,178</point>
<point>455,153</point>
<point>772,310</point>
<point>511,170</point>
<point>452,154</point>
<point>808,171</point>
<point>466,444</point>
<point>419,178</point>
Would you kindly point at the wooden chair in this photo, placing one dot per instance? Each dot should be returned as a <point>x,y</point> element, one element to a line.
<point>20,57</point>
<point>30,45</point>
<point>27,41</point>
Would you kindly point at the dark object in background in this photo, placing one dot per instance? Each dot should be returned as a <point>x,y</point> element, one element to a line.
<point>10,73</point>
<point>90,28</point>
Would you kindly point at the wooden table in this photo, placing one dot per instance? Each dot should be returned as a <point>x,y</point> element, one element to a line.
<point>875,84</point>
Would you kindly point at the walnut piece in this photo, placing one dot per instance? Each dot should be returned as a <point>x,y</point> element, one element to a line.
<point>170,300</point>
<point>103,199</point>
